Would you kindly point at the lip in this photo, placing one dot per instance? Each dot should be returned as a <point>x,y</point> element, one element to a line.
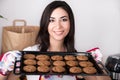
<point>58,32</point>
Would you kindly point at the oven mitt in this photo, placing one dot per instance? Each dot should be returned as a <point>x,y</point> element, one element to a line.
<point>8,60</point>
<point>97,55</point>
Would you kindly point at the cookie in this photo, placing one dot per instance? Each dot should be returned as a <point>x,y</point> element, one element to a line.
<point>75,70</point>
<point>43,68</point>
<point>30,62</point>
<point>89,70</point>
<point>29,68</point>
<point>58,69</point>
<point>29,56</point>
<point>86,64</point>
<point>42,57</point>
<point>69,57</point>
<point>43,63</point>
<point>59,63</point>
<point>72,63</point>
<point>57,57</point>
<point>81,57</point>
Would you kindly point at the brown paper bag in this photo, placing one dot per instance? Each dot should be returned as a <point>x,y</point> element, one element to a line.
<point>18,37</point>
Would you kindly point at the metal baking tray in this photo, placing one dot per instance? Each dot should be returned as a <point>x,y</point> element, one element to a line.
<point>18,67</point>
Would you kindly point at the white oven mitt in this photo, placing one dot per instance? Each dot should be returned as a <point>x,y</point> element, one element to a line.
<point>8,60</point>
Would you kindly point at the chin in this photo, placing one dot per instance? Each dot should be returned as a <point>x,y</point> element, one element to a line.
<point>59,39</point>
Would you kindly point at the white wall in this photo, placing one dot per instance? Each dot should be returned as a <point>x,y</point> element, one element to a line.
<point>97,21</point>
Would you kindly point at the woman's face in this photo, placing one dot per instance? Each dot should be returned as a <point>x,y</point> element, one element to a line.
<point>59,24</point>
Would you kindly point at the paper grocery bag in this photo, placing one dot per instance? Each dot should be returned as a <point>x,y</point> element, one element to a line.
<point>18,37</point>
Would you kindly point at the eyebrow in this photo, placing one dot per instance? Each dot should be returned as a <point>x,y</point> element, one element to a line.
<point>64,17</point>
<point>60,17</point>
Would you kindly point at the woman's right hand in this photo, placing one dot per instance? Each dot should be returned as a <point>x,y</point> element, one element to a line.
<point>7,61</point>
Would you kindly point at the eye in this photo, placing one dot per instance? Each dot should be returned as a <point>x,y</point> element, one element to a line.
<point>52,20</point>
<point>64,19</point>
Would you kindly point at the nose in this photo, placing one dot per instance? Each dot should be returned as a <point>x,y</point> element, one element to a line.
<point>58,24</point>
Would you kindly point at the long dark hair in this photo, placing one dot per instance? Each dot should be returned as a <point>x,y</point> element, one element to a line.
<point>43,35</point>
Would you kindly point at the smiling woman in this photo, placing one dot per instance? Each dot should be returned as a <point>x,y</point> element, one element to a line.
<point>57,30</point>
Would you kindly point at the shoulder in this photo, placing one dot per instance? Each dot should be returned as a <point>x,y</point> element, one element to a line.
<point>32,48</point>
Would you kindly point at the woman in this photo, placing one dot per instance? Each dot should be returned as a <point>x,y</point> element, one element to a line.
<point>57,26</point>
<point>56,34</point>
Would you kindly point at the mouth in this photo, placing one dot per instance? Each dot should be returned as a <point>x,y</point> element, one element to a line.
<point>58,32</point>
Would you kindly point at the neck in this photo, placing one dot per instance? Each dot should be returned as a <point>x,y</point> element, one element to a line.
<point>56,46</point>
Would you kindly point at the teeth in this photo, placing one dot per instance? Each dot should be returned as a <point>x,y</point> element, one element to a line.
<point>58,32</point>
